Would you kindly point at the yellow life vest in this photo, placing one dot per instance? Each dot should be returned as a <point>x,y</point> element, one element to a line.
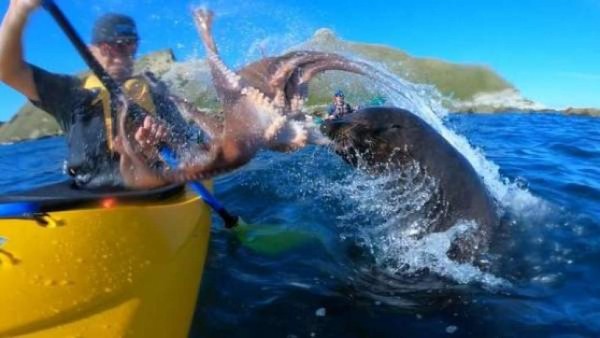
<point>137,90</point>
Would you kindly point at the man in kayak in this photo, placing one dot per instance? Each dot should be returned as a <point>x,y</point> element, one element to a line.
<point>339,107</point>
<point>82,105</point>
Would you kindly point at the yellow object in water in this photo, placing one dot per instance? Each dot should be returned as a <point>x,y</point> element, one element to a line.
<point>103,270</point>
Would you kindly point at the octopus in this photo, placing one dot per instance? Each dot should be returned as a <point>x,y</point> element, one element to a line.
<point>262,109</point>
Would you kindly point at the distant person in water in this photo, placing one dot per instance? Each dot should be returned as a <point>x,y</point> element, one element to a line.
<point>97,157</point>
<point>339,107</point>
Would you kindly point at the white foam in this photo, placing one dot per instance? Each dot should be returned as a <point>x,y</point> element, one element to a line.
<point>426,102</point>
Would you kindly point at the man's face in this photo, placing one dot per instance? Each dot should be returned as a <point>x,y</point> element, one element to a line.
<point>339,100</point>
<point>117,57</point>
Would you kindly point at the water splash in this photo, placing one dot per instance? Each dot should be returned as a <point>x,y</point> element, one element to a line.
<point>402,253</point>
<point>388,216</point>
<point>385,215</point>
<point>426,102</point>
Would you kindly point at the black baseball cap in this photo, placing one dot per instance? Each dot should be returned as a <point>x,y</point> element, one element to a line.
<point>114,27</point>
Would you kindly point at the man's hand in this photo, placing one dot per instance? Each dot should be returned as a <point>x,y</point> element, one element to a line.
<point>135,172</point>
<point>14,71</point>
<point>150,135</point>
<point>25,6</point>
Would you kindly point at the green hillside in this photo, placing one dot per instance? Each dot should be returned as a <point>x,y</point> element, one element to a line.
<point>192,80</point>
<point>29,123</point>
<point>459,82</point>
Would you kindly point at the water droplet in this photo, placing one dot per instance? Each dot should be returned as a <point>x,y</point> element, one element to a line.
<point>321,312</point>
<point>49,282</point>
<point>451,329</point>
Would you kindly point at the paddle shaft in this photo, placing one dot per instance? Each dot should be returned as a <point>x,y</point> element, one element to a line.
<point>229,219</point>
<point>81,47</point>
<point>115,90</point>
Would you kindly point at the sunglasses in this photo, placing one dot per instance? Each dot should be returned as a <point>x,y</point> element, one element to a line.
<point>119,48</point>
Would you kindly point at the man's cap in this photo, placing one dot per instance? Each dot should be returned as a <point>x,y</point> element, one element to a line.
<point>114,27</point>
<point>339,93</point>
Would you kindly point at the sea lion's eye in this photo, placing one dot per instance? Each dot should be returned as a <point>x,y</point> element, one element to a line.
<point>395,126</point>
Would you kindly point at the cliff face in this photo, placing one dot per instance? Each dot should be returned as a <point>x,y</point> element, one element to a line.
<point>496,101</point>
<point>29,123</point>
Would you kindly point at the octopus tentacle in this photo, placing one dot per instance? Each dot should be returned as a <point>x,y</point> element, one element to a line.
<point>336,63</point>
<point>272,75</point>
<point>270,119</point>
<point>224,78</point>
<point>294,61</point>
<point>262,105</point>
<point>288,83</point>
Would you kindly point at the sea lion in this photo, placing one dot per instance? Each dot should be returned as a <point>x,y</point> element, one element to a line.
<point>386,139</point>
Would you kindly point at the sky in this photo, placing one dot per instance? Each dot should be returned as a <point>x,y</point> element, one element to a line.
<point>548,49</point>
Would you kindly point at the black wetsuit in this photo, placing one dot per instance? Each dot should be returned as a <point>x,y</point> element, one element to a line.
<point>80,115</point>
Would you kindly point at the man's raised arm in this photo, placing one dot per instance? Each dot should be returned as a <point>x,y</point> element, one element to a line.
<point>14,71</point>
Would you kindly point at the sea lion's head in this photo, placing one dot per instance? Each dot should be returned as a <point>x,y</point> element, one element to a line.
<point>373,135</point>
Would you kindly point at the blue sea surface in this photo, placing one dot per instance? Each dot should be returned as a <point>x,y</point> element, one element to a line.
<point>539,279</point>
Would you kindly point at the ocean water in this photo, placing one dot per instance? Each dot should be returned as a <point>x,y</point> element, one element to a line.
<point>350,276</point>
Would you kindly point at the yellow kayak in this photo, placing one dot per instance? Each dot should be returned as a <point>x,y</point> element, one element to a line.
<point>109,267</point>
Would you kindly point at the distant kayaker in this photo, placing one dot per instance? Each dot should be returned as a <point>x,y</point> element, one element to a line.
<point>339,107</point>
<point>81,105</point>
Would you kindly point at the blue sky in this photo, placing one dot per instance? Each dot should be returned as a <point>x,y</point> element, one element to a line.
<point>549,49</point>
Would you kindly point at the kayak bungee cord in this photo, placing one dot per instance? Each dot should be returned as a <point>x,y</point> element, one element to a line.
<point>115,90</point>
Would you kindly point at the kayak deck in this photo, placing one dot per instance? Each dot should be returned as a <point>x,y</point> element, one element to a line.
<point>126,268</point>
